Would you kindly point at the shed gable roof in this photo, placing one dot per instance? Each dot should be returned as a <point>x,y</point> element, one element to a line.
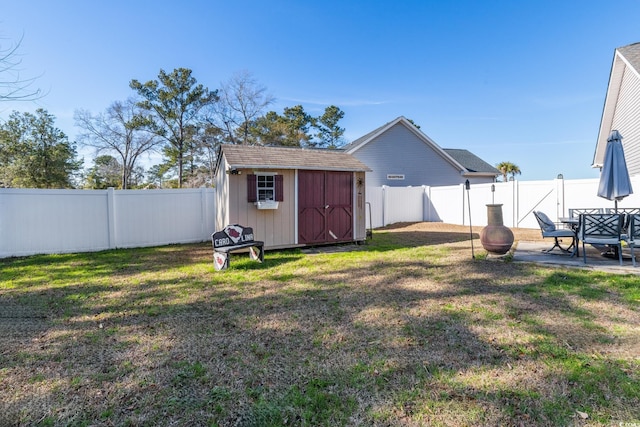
<point>259,157</point>
<point>625,59</point>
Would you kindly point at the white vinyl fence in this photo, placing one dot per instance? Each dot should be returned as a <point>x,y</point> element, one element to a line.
<point>519,199</point>
<point>57,221</point>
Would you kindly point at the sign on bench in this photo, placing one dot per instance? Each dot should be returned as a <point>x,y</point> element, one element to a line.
<point>234,238</point>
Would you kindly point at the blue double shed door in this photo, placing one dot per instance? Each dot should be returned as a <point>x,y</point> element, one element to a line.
<point>325,207</point>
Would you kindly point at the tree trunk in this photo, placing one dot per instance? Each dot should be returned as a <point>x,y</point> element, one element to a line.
<point>180,170</point>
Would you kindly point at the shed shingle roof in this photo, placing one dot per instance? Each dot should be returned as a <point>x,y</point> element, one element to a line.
<point>245,156</point>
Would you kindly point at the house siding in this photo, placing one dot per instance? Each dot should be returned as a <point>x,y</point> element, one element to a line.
<point>400,151</point>
<point>617,71</point>
<point>621,110</point>
<point>626,119</point>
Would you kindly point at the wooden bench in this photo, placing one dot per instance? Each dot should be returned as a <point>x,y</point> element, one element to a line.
<point>234,238</point>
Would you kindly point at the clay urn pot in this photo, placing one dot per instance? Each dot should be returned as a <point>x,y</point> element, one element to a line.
<point>495,237</point>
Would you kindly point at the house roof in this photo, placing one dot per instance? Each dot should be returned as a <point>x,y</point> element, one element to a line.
<point>471,162</point>
<point>259,157</point>
<point>363,140</point>
<point>466,162</point>
<point>625,59</point>
<point>632,54</point>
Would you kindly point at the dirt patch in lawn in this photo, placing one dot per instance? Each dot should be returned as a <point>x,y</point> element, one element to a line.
<point>435,233</point>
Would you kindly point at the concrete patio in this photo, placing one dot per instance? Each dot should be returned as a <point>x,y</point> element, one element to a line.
<point>529,251</point>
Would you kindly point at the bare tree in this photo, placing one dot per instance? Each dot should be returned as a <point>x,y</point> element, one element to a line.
<point>12,86</point>
<point>210,141</point>
<point>120,130</point>
<point>242,100</point>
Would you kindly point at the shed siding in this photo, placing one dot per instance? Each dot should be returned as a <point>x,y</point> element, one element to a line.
<point>627,120</point>
<point>400,151</point>
<point>273,226</point>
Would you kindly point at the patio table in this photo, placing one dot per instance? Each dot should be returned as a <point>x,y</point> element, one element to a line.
<point>572,222</point>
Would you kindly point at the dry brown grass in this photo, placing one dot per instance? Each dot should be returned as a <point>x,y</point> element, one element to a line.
<point>430,233</point>
<point>384,335</point>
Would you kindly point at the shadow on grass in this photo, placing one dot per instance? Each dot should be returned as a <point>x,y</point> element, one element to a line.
<point>376,341</point>
<point>272,259</point>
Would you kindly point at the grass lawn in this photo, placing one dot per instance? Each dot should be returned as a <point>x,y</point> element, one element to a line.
<point>406,330</point>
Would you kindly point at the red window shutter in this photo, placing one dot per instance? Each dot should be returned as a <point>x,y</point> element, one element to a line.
<point>252,188</point>
<point>279,188</point>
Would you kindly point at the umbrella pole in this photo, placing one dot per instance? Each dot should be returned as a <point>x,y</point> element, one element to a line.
<point>615,248</point>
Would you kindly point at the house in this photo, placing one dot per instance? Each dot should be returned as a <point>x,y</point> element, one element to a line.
<point>291,196</point>
<point>400,154</point>
<point>622,107</point>
<point>474,165</point>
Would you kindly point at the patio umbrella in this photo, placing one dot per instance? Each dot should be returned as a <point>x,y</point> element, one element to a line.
<point>614,178</point>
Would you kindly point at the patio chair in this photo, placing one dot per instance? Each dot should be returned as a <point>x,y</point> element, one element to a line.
<point>549,229</point>
<point>601,229</point>
<point>575,213</point>
<point>633,234</point>
<point>627,214</point>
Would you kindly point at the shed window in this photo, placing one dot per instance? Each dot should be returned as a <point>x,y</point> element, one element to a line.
<point>264,186</point>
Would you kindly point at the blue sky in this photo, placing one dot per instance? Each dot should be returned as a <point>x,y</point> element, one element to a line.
<point>518,81</point>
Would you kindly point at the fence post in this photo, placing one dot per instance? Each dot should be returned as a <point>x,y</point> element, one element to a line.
<point>515,202</point>
<point>560,196</point>
<point>464,204</point>
<point>385,213</point>
<point>426,212</point>
<point>111,217</point>
<point>203,211</point>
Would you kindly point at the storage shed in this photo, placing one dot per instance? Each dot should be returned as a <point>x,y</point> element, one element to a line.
<point>291,196</point>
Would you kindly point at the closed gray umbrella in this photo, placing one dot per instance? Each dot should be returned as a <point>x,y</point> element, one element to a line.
<point>615,183</point>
